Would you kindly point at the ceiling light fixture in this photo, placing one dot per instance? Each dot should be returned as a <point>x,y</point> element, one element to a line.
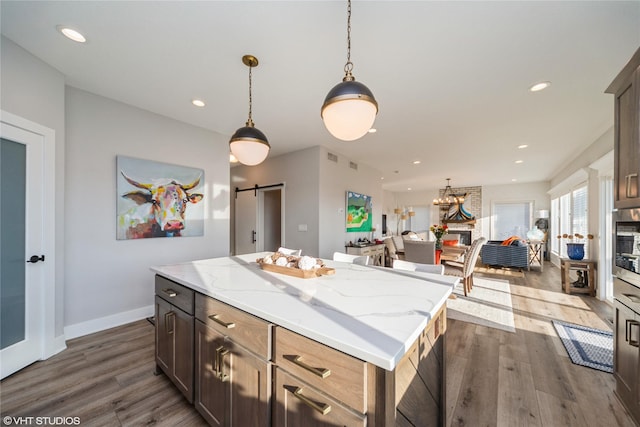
<point>416,162</point>
<point>71,34</point>
<point>349,109</point>
<point>522,146</point>
<point>519,161</point>
<point>539,86</point>
<point>248,144</point>
<point>198,102</point>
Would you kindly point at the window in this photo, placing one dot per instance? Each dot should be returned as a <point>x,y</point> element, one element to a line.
<point>511,219</point>
<point>569,215</point>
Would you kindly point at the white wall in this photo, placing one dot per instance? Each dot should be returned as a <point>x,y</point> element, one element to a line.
<point>107,280</point>
<point>299,172</point>
<point>335,180</point>
<point>315,195</point>
<point>34,90</point>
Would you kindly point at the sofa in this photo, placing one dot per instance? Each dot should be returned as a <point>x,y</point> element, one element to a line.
<point>514,255</point>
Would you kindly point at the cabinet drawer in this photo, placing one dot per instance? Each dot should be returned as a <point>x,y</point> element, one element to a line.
<point>249,331</point>
<point>298,404</point>
<point>178,295</point>
<point>329,370</point>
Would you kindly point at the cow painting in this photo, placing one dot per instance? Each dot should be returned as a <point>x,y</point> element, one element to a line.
<point>159,208</point>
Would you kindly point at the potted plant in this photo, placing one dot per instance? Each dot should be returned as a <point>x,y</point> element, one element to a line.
<point>575,245</point>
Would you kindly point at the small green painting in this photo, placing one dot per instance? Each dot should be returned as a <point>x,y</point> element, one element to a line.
<point>359,214</point>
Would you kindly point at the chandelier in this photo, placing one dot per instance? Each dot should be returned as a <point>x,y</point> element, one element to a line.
<point>448,197</point>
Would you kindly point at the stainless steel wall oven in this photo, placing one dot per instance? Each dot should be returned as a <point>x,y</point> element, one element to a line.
<point>626,293</point>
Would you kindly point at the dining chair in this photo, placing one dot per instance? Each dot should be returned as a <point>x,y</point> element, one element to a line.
<point>399,264</point>
<point>287,251</point>
<point>353,259</point>
<point>420,251</point>
<point>392,253</point>
<point>465,269</point>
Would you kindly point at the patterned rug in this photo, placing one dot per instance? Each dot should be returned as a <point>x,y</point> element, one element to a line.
<point>587,346</point>
<point>488,304</point>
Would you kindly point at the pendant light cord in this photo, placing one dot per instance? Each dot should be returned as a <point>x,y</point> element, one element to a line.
<point>348,67</point>
<point>250,121</point>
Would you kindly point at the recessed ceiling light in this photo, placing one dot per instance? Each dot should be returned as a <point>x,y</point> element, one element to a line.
<point>416,162</point>
<point>382,177</point>
<point>373,130</point>
<point>539,86</point>
<point>513,180</point>
<point>519,161</point>
<point>72,34</point>
<point>409,188</point>
<point>522,146</point>
<point>198,102</point>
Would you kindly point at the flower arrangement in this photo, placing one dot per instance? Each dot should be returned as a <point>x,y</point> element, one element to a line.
<point>439,230</point>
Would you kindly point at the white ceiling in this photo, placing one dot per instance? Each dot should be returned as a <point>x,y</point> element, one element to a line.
<point>451,78</point>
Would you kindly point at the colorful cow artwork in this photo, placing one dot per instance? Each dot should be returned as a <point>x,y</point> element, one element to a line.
<point>159,207</point>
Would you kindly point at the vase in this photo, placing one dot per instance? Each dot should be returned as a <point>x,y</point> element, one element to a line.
<point>575,251</point>
<point>438,242</point>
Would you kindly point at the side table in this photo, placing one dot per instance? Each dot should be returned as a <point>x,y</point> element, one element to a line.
<point>585,270</point>
<point>536,253</point>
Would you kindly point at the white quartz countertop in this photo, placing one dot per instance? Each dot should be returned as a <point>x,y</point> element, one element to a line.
<point>372,313</point>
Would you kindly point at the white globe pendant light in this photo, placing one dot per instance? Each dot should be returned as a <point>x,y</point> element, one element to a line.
<point>350,108</point>
<point>248,144</point>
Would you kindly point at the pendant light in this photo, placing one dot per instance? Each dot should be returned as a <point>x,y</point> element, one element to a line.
<point>349,109</point>
<point>248,144</point>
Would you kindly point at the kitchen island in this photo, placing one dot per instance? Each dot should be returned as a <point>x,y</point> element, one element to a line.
<point>363,346</point>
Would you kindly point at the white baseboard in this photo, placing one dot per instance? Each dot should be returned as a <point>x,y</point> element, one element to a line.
<point>107,322</point>
<point>55,346</point>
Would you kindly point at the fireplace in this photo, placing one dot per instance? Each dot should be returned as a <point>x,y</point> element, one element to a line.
<point>465,236</point>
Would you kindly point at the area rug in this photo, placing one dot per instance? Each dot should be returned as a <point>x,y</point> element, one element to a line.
<point>488,304</point>
<point>587,346</point>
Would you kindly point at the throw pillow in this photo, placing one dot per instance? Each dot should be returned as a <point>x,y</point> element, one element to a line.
<point>510,240</point>
<point>450,243</point>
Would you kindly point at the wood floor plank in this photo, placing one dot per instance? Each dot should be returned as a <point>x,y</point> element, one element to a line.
<point>477,400</point>
<point>555,411</point>
<point>517,404</point>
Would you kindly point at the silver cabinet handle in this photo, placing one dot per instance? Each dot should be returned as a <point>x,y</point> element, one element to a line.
<point>169,320</point>
<point>170,292</point>
<point>631,324</point>
<point>628,185</point>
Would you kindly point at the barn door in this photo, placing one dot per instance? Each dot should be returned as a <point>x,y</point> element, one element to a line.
<point>26,270</point>
<point>246,233</point>
<point>259,219</point>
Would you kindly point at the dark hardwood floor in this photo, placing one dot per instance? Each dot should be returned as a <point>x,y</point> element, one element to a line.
<point>494,377</point>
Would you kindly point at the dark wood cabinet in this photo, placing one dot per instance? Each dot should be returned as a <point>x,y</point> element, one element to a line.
<point>627,358</point>
<point>174,336</point>
<point>626,88</point>
<point>233,368</point>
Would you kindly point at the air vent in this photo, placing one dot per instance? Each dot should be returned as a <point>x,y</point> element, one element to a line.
<point>332,157</point>
<point>353,166</point>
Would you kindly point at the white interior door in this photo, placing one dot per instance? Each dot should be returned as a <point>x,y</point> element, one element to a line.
<point>246,222</point>
<point>22,279</point>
